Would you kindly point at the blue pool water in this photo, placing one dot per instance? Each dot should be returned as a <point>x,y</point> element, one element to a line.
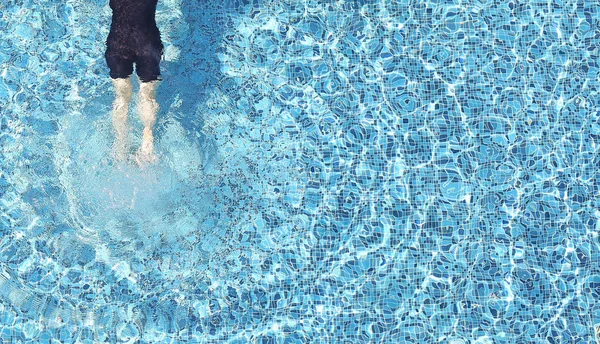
<point>386,171</point>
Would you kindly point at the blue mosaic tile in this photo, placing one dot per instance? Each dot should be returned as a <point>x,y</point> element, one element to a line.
<point>338,172</point>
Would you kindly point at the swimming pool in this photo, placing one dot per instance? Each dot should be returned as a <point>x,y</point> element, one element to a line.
<point>330,171</point>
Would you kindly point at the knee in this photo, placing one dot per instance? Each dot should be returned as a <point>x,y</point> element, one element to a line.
<point>148,90</point>
<point>123,88</point>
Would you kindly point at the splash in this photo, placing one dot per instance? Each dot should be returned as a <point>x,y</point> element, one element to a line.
<point>121,203</point>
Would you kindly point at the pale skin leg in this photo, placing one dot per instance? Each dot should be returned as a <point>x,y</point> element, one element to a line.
<point>119,117</point>
<point>147,108</point>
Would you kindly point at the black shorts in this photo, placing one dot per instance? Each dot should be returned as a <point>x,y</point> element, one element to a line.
<point>120,60</point>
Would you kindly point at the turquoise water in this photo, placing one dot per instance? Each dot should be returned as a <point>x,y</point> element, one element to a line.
<point>329,171</point>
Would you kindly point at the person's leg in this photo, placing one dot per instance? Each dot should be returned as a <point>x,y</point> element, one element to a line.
<point>120,70</point>
<point>147,68</point>
<point>119,117</point>
<point>147,109</point>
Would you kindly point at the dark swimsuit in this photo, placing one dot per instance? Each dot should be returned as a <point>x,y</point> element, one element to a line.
<point>134,38</point>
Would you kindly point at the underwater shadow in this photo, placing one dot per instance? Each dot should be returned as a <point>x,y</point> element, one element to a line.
<point>189,78</point>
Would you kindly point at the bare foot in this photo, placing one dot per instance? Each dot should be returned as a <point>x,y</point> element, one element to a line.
<point>120,152</point>
<point>145,154</point>
<point>144,159</point>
